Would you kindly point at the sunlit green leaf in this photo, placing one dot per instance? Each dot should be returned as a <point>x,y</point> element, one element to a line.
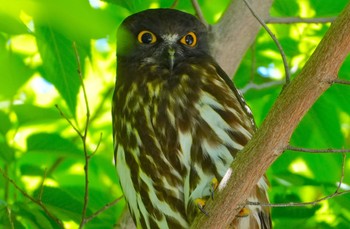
<point>59,63</point>
<point>31,170</point>
<point>35,217</point>
<point>6,152</point>
<point>5,123</point>
<point>51,144</point>
<point>11,25</point>
<point>62,203</point>
<point>327,7</point>
<point>14,73</point>
<point>31,114</point>
<point>10,18</point>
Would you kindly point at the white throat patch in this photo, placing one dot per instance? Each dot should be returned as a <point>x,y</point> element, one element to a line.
<point>170,38</point>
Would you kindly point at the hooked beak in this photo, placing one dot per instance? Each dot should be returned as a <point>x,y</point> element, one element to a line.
<point>171,53</point>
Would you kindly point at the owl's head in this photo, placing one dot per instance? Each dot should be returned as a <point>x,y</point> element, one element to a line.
<point>161,36</point>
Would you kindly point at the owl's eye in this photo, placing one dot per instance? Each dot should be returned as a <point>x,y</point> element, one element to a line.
<point>190,39</point>
<point>146,37</point>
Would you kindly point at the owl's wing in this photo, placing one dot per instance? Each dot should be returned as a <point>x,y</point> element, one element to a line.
<point>238,94</point>
<point>114,129</point>
<point>259,217</point>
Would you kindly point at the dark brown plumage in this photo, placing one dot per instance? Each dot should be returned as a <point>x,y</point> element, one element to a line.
<point>178,121</point>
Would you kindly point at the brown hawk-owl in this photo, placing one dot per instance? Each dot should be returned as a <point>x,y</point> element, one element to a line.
<point>178,122</point>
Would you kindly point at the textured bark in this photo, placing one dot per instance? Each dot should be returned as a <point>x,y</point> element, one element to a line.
<point>236,31</point>
<point>273,136</point>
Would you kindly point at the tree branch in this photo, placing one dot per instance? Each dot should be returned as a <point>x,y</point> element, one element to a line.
<point>274,38</point>
<point>291,20</point>
<point>199,12</point>
<point>336,193</point>
<point>273,136</point>
<point>251,85</point>
<point>103,209</point>
<point>232,36</point>
<point>83,136</point>
<point>341,81</point>
<point>35,201</point>
<point>305,150</point>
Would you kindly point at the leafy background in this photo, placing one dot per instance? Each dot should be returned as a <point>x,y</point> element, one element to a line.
<point>44,156</point>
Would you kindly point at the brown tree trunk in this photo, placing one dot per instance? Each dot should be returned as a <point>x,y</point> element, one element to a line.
<point>235,32</point>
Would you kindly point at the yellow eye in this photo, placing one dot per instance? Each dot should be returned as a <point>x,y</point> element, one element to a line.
<point>146,37</point>
<point>190,39</point>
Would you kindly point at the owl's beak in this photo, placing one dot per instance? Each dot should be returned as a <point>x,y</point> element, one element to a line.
<point>171,53</point>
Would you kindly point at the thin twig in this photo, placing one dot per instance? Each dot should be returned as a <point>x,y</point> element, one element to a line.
<point>41,189</point>
<point>98,145</point>
<point>104,208</point>
<point>9,215</point>
<point>307,150</point>
<point>67,119</point>
<point>291,20</point>
<point>6,197</point>
<point>342,173</point>
<point>199,12</point>
<point>7,186</point>
<point>99,108</point>
<point>255,86</point>
<point>173,6</point>
<point>83,138</point>
<point>55,165</point>
<point>253,62</point>
<point>302,204</point>
<point>284,59</point>
<point>341,81</point>
<point>37,202</point>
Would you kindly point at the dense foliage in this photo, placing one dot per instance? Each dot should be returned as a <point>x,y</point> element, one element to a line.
<point>42,156</point>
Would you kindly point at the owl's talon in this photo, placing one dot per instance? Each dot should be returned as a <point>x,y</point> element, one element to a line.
<point>244,212</point>
<point>200,204</point>
<point>203,211</point>
<point>214,185</point>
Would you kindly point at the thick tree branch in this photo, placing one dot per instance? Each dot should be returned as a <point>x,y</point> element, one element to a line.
<point>273,136</point>
<point>236,31</point>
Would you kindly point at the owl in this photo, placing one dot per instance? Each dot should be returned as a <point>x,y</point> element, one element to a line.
<point>178,122</point>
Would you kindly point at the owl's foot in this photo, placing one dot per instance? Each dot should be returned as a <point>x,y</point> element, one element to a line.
<point>200,202</point>
<point>244,212</point>
<point>214,185</point>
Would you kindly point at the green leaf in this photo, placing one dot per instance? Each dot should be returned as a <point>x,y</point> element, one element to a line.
<point>33,216</point>
<point>280,8</point>
<point>52,144</point>
<point>11,25</point>
<point>14,73</point>
<point>5,125</point>
<point>31,114</point>
<point>6,152</point>
<point>4,217</point>
<point>10,17</point>
<point>327,7</point>
<point>62,203</point>
<point>59,63</point>
<point>31,170</point>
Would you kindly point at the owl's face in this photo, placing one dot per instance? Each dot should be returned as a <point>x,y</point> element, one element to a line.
<point>164,37</point>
